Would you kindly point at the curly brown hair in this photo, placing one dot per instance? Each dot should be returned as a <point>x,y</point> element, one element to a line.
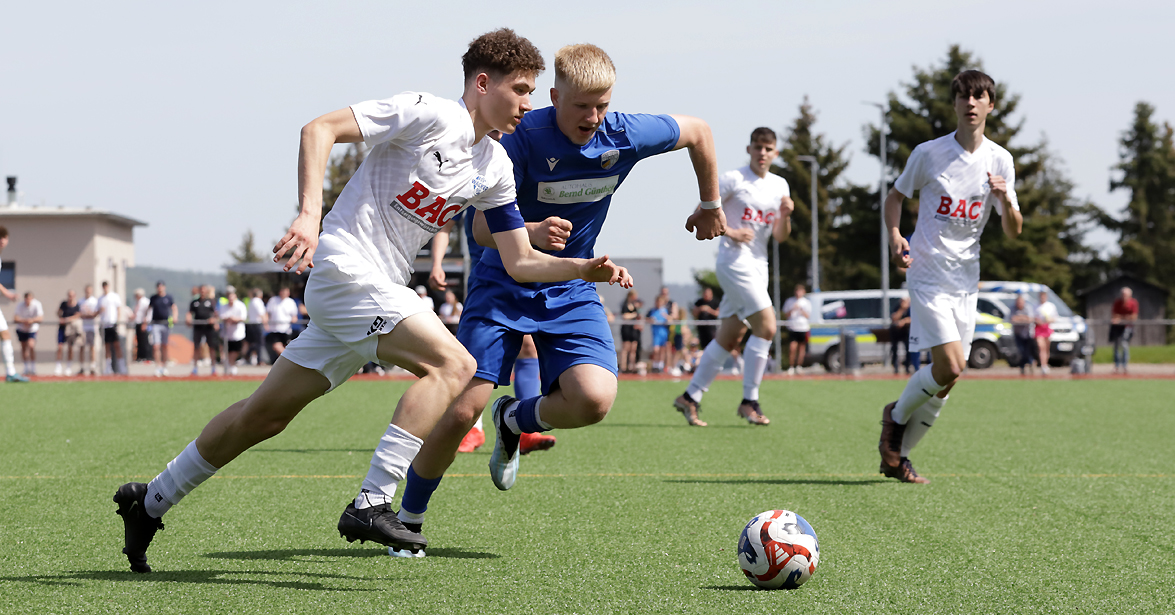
<point>499,53</point>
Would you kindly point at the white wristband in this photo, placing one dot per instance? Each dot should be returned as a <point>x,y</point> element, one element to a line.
<point>711,204</point>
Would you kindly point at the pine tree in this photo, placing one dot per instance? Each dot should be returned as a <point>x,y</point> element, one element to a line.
<point>1147,173</point>
<point>245,282</point>
<point>339,172</point>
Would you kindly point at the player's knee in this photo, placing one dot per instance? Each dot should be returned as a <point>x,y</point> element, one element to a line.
<point>593,406</point>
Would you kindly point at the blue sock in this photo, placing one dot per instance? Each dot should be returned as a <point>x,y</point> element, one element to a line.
<point>418,491</point>
<point>528,416</point>
<point>526,379</point>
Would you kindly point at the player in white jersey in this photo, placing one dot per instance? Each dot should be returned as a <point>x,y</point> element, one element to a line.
<point>959,178</point>
<point>758,205</point>
<point>5,336</point>
<point>429,160</point>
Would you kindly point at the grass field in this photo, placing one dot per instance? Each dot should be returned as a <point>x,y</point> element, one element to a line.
<point>1047,497</point>
<point>1138,354</point>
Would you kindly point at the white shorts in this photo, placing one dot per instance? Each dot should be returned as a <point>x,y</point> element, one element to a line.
<point>937,318</point>
<point>744,290</point>
<point>3,323</point>
<point>351,303</point>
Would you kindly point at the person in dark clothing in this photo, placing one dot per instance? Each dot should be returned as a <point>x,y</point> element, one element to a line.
<point>706,308</point>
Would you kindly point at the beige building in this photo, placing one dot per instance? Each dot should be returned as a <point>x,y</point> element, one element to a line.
<point>53,250</point>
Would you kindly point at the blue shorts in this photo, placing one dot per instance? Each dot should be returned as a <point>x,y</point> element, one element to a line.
<point>567,322</point>
<point>660,335</point>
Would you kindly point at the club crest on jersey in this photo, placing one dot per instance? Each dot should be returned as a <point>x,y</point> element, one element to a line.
<point>964,211</point>
<point>608,158</point>
<point>479,185</point>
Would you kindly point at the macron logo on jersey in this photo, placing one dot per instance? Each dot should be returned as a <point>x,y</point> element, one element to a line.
<point>551,162</point>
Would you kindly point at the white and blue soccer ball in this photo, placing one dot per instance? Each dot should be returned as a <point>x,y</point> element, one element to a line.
<point>778,549</point>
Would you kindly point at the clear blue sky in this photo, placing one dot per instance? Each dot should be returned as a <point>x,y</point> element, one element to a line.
<point>187,116</point>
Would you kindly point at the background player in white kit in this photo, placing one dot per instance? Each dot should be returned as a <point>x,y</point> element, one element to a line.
<point>757,204</point>
<point>429,160</point>
<point>5,335</point>
<point>960,178</point>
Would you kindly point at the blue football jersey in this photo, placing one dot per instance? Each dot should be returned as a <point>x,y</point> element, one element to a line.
<point>555,177</point>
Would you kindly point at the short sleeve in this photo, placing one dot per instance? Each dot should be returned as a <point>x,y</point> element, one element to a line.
<point>517,147</point>
<point>650,134</point>
<point>500,190</point>
<point>1007,170</point>
<point>912,177</point>
<point>726,184</point>
<point>404,118</point>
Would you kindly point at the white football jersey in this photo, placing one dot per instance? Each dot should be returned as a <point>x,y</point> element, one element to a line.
<point>954,203</point>
<point>423,169</point>
<point>749,201</point>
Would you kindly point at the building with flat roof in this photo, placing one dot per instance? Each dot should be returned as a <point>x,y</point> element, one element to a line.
<point>52,250</point>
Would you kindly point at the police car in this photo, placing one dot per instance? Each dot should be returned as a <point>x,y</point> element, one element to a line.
<point>858,313</point>
<point>1070,331</point>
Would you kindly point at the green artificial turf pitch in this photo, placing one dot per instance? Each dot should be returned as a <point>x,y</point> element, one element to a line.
<point>1047,497</point>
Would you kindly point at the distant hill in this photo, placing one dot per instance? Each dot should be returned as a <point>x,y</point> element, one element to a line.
<point>179,283</point>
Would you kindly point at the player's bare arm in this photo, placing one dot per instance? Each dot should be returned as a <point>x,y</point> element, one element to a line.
<point>1012,220</point>
<point>782,227</point>
<point>705,223</point>
<point>440,245</point>
<point>525,264</point>
<point>318,137</point>
<point>893,216</point>
<point>550,234</point>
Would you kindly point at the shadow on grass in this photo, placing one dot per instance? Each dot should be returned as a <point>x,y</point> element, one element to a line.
<point>305,555</point>
<point>681,425</point>
<point>781,481</point>
<point>365,451</point>
<point>203,577</point>
<point>733,588</point>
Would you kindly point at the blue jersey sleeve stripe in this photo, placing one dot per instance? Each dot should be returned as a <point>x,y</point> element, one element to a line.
<point>504,218</point>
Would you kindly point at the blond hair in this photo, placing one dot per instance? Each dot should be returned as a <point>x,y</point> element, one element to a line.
<point>584,68</point>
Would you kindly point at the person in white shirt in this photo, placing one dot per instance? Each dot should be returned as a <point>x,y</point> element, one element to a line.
<point>429,160</point>
<point>5,338</point>
<point>798,311</point>
<point>142,319</point>
<point>1046,314</point>
<point>422,292</point>
<point>109,314</point>
<point>255,326</point>
<point>758,207</point>
<point>960,178</point>
<point>232,327</point>
<point>89,314</point>
<point>450,310</point>
<point>281,311</point>
<point>29,315</point>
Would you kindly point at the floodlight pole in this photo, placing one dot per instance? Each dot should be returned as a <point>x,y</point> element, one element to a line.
<point>884,230</point>
<point>812,205</point>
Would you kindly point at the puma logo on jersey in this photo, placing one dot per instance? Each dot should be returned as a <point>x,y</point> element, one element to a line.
<point>440,161</point>
<point>419,98</point>
<point>376,325</point>
<point>551,162</point>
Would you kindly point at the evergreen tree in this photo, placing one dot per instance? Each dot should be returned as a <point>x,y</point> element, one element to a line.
<point>245,282</point>
<point>1051,250</point>
<point>1147,173</point>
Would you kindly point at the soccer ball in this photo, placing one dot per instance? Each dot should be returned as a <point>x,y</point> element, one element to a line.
<point>778,548</point>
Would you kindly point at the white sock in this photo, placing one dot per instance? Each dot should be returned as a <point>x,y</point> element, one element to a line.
<point>183,474</point>
<point>920,388</point>
<point>713,358</point>
<point>6,350</point>
<point>756,362</point>
<point>408,517</point>
<point>920,422</point>
<point>389,465</point>
<point>478,425</point>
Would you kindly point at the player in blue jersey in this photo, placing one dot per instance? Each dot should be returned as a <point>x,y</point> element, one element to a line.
<point>550,234</point>
<point>568,161</point>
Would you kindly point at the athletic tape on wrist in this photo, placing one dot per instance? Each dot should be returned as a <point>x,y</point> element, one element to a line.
<point>711,204</point>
